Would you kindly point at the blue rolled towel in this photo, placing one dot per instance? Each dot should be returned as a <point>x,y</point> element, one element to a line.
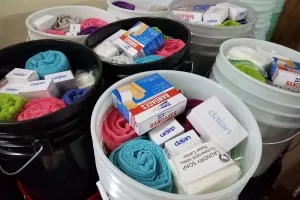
<point>148,59</point>
<point>48,62</point>
<point>73,95</point>
<point>145,162</point>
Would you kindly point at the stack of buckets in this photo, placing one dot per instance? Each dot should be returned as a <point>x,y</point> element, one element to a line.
<point>206,40</point>
<point>275,16</point>
<point>277,111</point>
<point>265,10</point>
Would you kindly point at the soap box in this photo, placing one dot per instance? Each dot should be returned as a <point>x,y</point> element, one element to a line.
<point>20,76</point>
<point>63,80</point>
<point>10,88</point>
<point>40,89</point>
<point>148,102</point>
<point>215,15</point>
<point>165,132</point>
<point>236,13</point>
<point>215,123</point>
<point>141,40</point>
<point>285,73</point>
<point>190,16</point>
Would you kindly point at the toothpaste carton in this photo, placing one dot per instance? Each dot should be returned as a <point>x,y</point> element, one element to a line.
<point>40,89</point>
<point>148,102</point>
<point>215,15</point>
<point>215,123</point>
<point>63,80</point>
<point>11,88</point>
<point>285,73</point>
<point>140,41</point>
<point>190,16</point>
<point>236,13</point>
<point>19,76</point>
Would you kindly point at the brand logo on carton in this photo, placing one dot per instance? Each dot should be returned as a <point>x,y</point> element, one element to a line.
<point>155,101</point>
<point>297,80</point>
<point>211,20</point>
<point>182,140</point>
<point>38,83</point>
<point>220,122</point>
<point>167,131</point>
<point>131,42</point>
<point>19,74</point>
<point>164,105</point>
<point>11,89</point>
<point>59,77</point>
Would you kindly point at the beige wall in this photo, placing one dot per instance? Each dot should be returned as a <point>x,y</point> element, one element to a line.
<point>14,12</point>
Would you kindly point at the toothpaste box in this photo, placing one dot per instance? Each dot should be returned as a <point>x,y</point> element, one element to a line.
<point>11,88</point>
<point>165,132</point>
<point>19,76</point>
<point>148,102</point>
<point>190,16</point>
<point>215,123</point>
<point>236,12</point>
<point>285,73</point>
<point>63,80</point>
<point>139,41</point>
<point>215,15</point>
<point>40,89</point>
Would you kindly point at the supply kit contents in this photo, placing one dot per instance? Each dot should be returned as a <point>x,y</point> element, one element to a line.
<point>67,25</point>
<point>45,85</point>
<point>266,66</point>
<point>158,137</point>
<point>222,14</point>
<point>130,6</point>
<point>140,44</point>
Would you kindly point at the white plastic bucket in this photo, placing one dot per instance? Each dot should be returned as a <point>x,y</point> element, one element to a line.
<point>83,12</point>
<point>121,13</point>
<point>120,187</point>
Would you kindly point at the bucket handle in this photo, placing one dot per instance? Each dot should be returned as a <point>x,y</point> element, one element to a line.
<point>102,191</point>
<point>25,165</point>
<point>273,143</point>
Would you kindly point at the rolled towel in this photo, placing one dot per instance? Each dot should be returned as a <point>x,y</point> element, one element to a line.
<point>92,22</point>
<point>148,59</point>
<point>10,106</point>
<point>40,107</point>
<point>115,130</point>
<point>48,62</point>
<point>63,22</point>
<point>89,30</point>
<point>123,4</point>
<point>55,32</point>
<point>145,162</point>
<point>73,95</point>
<point>170,47</point>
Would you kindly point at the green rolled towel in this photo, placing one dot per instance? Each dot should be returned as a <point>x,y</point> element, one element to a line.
<point>248,68</point>
<point>230,23</point>
<point>10,106</point>
<point>157,29</point>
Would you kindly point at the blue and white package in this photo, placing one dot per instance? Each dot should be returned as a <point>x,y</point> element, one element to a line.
<point>63,80</point>
<point>182,143</point>
<point>148,102</point>
<point>165,132</point>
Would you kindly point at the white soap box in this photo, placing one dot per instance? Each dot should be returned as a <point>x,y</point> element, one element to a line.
<point>215,15</point>
<point>236,13</point>
<point>20,76</point>
<point>63,80</point>
<point>40,89</point>
<point>10,88</point>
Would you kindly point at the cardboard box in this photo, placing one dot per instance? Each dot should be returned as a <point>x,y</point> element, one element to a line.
<point>140,41</point>
<point>63,80</point>
<point>190,16</point>
<point>236,12</point>
<point>215,15</point>
<point>148,102</point>
<point>11,88</point>
<point>40,89</point>
<point>20,76</point>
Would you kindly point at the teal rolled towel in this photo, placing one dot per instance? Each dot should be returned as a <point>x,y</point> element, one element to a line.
<point>48,62</point>
<point>145,162</point>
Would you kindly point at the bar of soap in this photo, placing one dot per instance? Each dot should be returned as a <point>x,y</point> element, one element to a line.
<point>40,89</point>
<point>10,88</point>
<point>215,15</point>
<point>165,132</point>
<point>44,23</point>
<point>20,76</point>
<point>63,80</point>
<point>182,143</point>
<point>236,12</point>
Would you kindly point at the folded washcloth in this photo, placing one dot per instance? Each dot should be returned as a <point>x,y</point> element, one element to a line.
<point>92,22</point>
<point>170,47</point>
<point>10,106</point>
<point>145,162</point>
<point>249,68</point>
<point>115,130</point>
<point>89,30</point>
<point>48,62</point>
<point>64,21</point>
<point>147,59</point>
<point>73,95</point>
<point>40,107</point>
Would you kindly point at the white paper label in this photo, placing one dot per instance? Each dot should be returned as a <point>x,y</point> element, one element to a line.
<point>200,161</point>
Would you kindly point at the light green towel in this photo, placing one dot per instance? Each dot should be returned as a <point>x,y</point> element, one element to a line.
<point>10,106</point>
<point>230,23</point>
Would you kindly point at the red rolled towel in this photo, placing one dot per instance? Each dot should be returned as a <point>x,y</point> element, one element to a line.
<point>40,107</point>
<point>115,130</point>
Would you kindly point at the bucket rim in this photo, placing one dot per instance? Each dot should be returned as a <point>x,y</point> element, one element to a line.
<point>236,186</point>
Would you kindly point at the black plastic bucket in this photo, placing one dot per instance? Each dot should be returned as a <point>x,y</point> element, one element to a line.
<point>113,72</point>
<point>63,165</point>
